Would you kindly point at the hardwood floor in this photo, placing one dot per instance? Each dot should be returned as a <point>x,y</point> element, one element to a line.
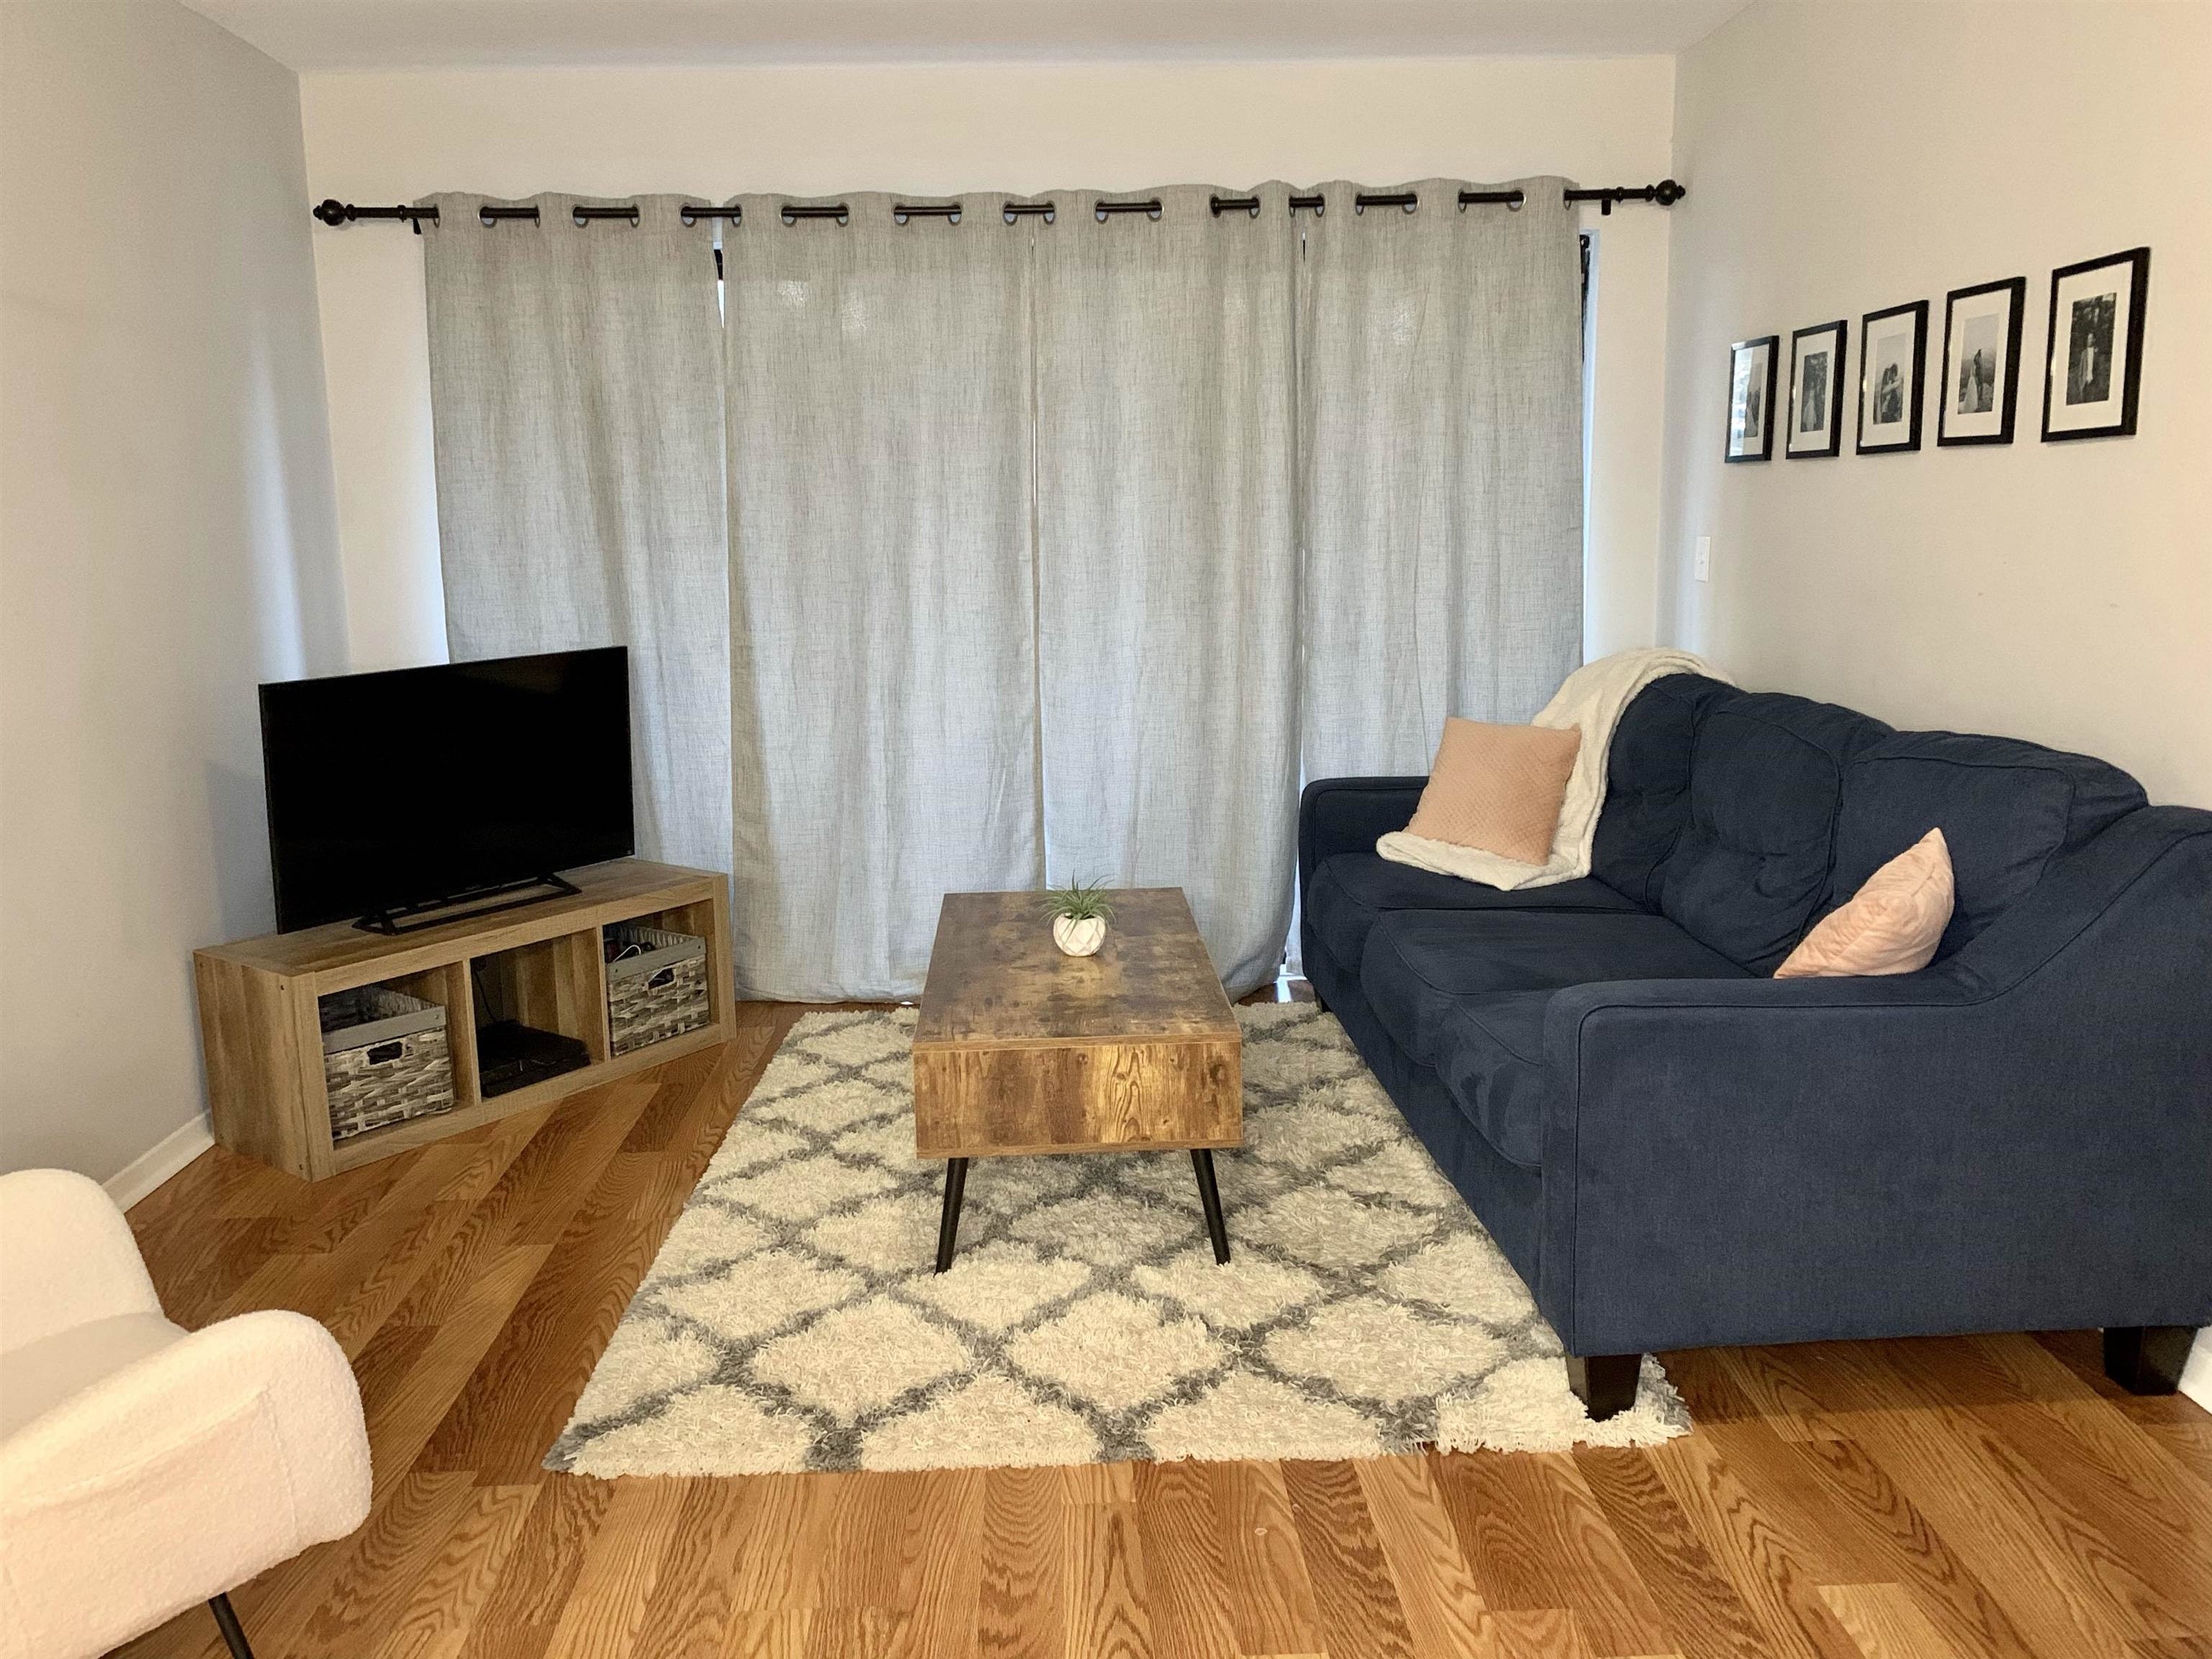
<point>1984,1496</point>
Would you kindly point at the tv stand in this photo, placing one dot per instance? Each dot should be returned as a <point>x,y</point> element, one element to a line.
<point>465,906</point>
<point>539,964</point>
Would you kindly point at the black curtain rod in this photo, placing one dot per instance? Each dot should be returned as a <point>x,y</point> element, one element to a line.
<point>1665,193</point>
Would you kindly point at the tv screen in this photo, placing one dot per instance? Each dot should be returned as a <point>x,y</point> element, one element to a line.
<point>398,788</point>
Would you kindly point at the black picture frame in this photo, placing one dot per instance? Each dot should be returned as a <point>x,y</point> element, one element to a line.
<point>1831,391</point>
<point>1772,343</point>
<point>1911,392</point>
<point>2006,403</point>
<point>2136,261</point>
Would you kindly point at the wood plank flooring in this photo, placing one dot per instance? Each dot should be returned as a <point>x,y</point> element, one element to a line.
<point>1961,1498</point>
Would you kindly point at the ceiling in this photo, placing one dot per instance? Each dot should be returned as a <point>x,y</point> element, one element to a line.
<point>387,34</point>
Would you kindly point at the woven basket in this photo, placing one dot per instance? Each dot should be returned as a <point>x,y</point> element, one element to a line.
<point>386,1060</point>
<point>657,990</point>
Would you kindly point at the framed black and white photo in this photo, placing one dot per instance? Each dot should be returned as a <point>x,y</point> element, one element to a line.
<point>1752,368</point>
<point>2096,347</point>
<point>1816,390</point>
<point>1892,346</point>
<point>1980,388</point>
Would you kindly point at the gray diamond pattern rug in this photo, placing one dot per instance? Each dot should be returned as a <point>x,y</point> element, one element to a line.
<point>791,1319</point>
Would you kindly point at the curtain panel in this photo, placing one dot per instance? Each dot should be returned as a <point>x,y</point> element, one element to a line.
<point>884,735</point>
<point>962,554</point>
<point>576,408</point>
<point>1167,621</point>
<point>1440,468</point>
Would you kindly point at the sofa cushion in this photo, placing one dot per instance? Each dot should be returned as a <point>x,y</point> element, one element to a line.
<point>1754,857</point>
<point>1647,782</point>
<point>1463,993</point>
<point>2010,811</point>
<point>1350,890</point>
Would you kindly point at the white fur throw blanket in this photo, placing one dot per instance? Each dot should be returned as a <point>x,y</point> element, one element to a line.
<point>1593,698</point>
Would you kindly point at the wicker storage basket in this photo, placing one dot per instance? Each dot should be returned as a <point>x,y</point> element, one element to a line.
<point>656,986</point>
<point>386,1060</point>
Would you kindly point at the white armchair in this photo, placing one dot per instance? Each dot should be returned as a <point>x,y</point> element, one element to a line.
<point>143,1467</point>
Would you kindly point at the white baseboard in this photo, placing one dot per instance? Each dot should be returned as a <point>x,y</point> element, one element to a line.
<point>160,1161</point>
<point>2196,1375</point>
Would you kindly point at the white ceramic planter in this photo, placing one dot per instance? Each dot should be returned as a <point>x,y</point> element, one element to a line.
<point>1078,938</point>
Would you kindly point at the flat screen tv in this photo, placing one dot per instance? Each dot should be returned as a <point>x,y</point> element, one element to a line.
<point>391,793</point>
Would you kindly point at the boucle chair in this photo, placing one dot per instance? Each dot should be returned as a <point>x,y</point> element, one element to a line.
<point>143,1467</point>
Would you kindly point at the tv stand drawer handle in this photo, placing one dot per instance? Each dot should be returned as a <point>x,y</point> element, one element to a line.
<point>666,976</point>
<point>384,1053</point>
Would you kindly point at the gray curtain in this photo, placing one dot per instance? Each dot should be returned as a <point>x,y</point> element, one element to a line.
<point>881,604</point>
<point>1024,550</point>
<point>1167,623</point>
<point>576,400</point>
<point>1440,437</point>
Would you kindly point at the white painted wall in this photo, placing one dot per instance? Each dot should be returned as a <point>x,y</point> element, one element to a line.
<point>168,539</point>
<point>1849,158</point>
<point>940,129</point>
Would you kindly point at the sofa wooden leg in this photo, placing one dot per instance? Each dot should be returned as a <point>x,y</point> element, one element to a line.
<point>2148,1358</point>
<point>1604,1382</point>
<point>233,1633</point>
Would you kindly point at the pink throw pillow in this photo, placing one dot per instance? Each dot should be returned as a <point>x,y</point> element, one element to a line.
<point>1497,788</point>
<point>1891,925</point>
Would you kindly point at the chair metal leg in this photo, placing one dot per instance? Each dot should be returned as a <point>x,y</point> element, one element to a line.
<point>233,1633</point>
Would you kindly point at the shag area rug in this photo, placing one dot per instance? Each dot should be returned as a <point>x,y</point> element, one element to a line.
<point>791,1319</point>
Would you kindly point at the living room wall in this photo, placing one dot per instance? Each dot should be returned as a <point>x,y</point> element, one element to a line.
<point>168,539</point>
<point>1850,158</point>
<point>936,129</point>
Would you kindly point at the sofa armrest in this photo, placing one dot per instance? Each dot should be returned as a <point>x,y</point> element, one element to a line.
<point>1349,815</point>
<point>66,1257</point>
<point>2014,1140</point>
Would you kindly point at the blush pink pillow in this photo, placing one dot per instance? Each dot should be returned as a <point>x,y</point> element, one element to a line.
<point>1891,925</point>
<point>1497,788</point>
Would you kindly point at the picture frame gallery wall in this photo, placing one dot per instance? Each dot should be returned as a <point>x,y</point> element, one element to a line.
<point>2091,378</point>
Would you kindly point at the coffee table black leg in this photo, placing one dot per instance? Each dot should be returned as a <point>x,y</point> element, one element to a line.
<point>1210,1196</point>
<point>948,1221</point>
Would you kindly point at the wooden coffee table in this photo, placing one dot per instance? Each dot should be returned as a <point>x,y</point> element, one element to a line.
<point>1023,1050</point>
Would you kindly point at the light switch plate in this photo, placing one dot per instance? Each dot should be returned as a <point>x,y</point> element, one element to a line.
<point>1703,567</point>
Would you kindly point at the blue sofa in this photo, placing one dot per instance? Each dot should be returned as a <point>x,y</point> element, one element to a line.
<point>1677,1150</point>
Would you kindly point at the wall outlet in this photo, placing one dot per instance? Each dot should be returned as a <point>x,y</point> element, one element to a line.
<point>1703,567</point>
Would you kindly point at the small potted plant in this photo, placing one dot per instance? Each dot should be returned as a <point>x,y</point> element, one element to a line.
<point>1079,914</point>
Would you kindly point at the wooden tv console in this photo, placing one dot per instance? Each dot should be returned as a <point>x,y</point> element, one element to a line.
<point>540,964</point>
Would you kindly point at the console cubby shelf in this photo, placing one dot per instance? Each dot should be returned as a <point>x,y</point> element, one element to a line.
<point>261,1036</point>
